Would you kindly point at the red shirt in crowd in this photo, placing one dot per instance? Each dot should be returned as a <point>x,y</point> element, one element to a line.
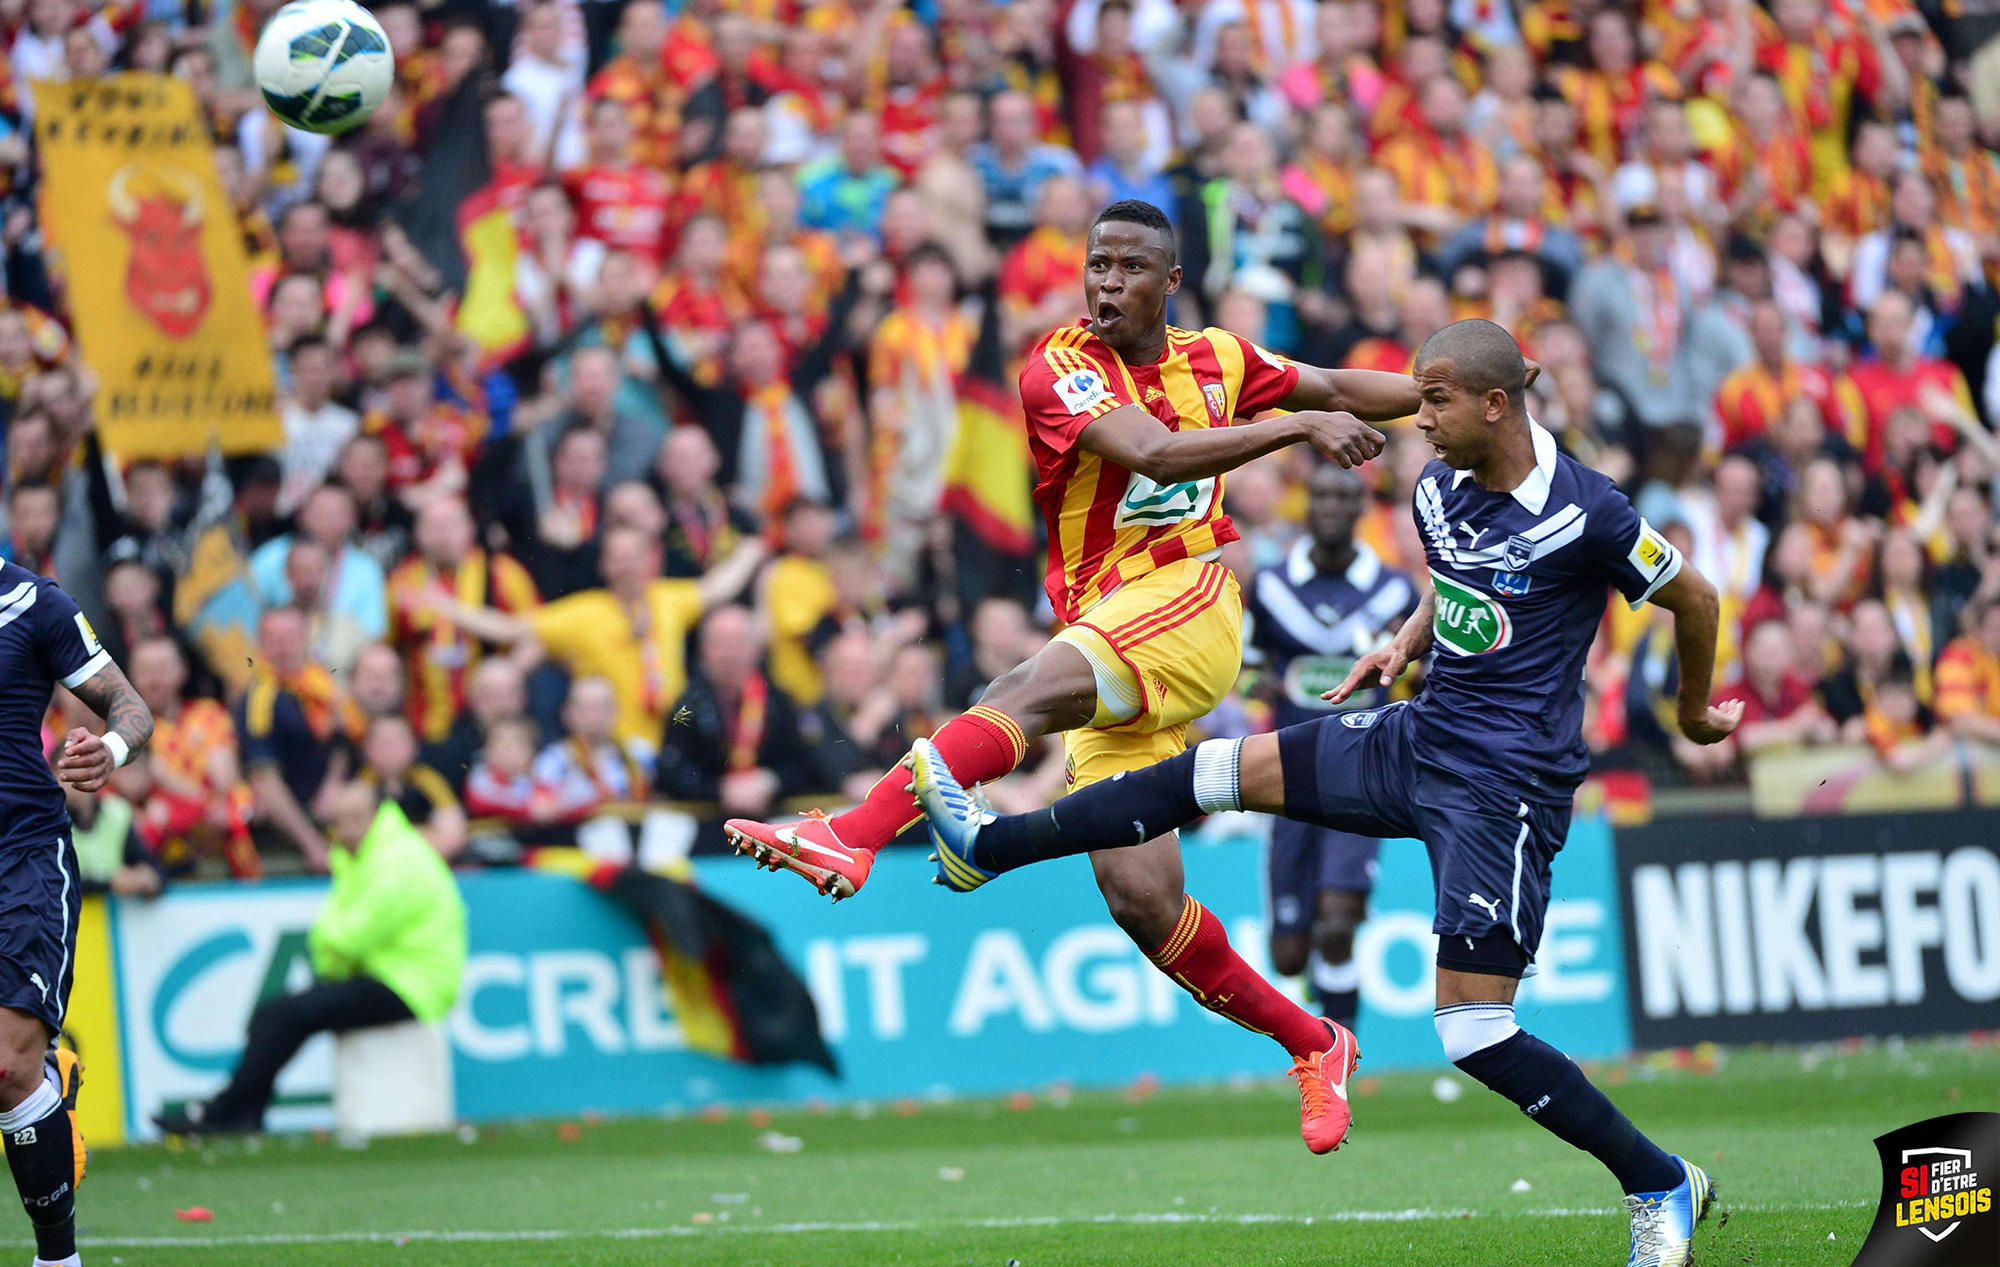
<point>1794,693</point>
<point>1877,390</point>
<point>624,206</point>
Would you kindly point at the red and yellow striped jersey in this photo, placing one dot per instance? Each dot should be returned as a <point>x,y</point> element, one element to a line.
<point>1752,400</point>
<point>1108,525</point>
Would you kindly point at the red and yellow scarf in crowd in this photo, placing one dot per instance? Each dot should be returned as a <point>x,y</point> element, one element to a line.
<point>327,710</point>
<point>1968,189</point>
<point>1611,108</point>
<point>746,729</point>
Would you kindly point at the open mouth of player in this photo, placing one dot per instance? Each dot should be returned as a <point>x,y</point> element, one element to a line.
<point>1108,316</point>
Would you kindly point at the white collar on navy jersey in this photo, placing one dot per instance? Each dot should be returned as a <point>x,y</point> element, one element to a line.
<point>1361,573</point>
<point>1533,492</point>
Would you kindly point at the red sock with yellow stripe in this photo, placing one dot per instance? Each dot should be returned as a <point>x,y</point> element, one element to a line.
<point>978,745</point>
<point>1199,956</point>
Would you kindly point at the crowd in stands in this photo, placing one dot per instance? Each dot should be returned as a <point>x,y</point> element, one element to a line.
<point>619,355</point>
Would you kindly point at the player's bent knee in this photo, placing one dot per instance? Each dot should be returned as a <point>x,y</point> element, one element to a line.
<point>1146,911</point>
<point>1261,774</point>
<point>1336,945</point>
<point>1289,954</point>
<point>1467,1029</point>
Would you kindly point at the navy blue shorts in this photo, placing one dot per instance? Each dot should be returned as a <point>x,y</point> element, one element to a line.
<point>39,905</point>
<point>1306,861</point>
<point>1490,849</point>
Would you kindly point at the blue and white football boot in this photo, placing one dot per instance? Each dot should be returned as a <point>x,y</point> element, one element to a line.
<point>1663,1223</point>
<point>952,817</point>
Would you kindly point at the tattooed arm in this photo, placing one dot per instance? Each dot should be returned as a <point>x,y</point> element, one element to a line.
<point>86,761</point>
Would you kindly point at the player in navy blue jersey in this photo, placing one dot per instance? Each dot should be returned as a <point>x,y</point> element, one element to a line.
<point>44,640</point>
<point>1523,544</point>
<point>1306,622</point>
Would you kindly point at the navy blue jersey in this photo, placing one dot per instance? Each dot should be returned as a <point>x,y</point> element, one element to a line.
<point>1309,629</point>
<point>1521,581</point>
<point>44,639</point>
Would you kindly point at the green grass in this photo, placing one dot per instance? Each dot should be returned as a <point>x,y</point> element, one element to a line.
<point>1181,1177</point>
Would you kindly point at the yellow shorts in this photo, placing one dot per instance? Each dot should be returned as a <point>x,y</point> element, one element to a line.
<point>1166,649</point>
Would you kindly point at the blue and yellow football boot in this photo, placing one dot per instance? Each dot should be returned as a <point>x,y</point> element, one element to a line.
<point>952,817</point>
<point>1663,1223</point>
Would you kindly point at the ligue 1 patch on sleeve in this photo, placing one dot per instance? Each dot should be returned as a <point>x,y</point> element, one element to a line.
<point>1271,359</point>
<point>1082,389</point>
<point>1937,1195</point>
<point>1651,553</point>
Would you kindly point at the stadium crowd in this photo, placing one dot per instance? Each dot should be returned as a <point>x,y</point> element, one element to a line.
<point>622,358</point>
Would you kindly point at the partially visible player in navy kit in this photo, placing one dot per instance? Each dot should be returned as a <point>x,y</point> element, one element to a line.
<point>44,640</point>
<point>1306,621</point>
<point>1523,543</point>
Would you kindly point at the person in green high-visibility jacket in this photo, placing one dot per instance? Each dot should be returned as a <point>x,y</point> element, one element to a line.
<point>388,946</point>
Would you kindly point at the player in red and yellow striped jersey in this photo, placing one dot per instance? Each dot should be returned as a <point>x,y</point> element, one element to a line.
<point>1133,424</point>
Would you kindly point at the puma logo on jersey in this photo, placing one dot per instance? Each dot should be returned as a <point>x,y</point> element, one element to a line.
<point>1472,535</point>
<point>1492,907</point>
<point>40,984</point>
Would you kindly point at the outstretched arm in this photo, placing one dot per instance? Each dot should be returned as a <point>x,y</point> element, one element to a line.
<point>1139,442</point>
<point>1697,611</point>
<point>1375,395</point>
<point>87,760</point>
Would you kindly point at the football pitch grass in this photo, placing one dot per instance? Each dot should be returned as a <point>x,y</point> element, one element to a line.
<point>1180,1177</point>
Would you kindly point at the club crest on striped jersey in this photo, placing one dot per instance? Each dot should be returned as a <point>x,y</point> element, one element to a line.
<point>1468,621</point>
<point>1217,397</point>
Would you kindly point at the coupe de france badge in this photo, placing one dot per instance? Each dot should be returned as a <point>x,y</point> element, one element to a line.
<point>1937,1195</point>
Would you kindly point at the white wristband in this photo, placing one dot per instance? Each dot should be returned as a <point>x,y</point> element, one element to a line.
<point>121,752</point>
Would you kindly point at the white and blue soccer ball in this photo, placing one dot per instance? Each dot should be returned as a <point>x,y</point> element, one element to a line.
<point>324,65</point>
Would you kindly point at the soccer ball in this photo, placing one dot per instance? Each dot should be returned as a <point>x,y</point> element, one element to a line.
<point>324,65</point>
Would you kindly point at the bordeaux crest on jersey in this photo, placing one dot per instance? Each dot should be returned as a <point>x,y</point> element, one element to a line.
<point>1217,397</point>
<point>1518,553</point>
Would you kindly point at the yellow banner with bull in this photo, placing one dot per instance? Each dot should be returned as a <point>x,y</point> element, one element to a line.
<point>158,286</point>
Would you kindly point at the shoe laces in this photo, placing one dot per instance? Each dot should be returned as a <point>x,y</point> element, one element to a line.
<point>1307,1071</point>
<point>1648,1225</point>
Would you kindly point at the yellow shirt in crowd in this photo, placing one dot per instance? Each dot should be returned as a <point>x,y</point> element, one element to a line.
<point>593,636</point>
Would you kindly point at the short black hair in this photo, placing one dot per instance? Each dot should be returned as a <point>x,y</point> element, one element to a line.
<point>1140,212</point>
<point>1483,357</point>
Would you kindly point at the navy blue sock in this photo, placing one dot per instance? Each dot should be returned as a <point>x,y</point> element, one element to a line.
<point>42,1154</point>
<point>1127,809</point>
<point>1552,1090</point>
<point>1340,1006</point>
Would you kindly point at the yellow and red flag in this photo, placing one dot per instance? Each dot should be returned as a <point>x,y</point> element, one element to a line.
<point>989,478</point>
<point>152,255</point>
